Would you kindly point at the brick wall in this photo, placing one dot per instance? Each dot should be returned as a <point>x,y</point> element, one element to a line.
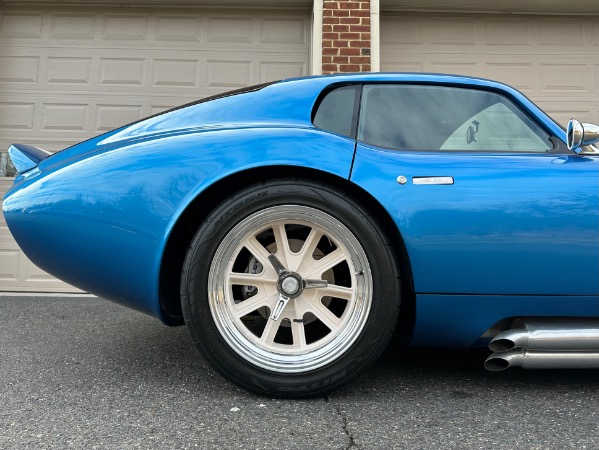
<point>346,36</point>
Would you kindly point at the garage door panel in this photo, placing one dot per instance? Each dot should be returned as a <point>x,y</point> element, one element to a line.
<point>565,78</point>
<point>562,112</point>
<point>457,31</point>
<point>562,32</point>
<point>278,70</point>
<point>510,32</point>
<point>553,60</point>
<point>9,265</point>
<point>69,73</point>
<point>71,26</point>
<point>521,75</point>
<point>19,70</point>
<point>450,65</point>
<point>134,72</point>
<point>22,25</point>
<point>259,30</point>
<point>540,34</point>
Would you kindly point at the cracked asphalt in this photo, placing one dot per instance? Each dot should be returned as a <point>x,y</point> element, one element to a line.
<point>86,373</point>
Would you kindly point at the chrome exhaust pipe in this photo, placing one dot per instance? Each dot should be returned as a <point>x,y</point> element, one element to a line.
<point>546,343</point>
<point>549,334</point>
<point>533,359</point>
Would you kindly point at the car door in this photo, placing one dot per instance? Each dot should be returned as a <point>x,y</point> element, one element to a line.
<point>486,200</point>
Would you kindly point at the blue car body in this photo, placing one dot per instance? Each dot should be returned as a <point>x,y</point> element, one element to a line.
<point>516,234</point>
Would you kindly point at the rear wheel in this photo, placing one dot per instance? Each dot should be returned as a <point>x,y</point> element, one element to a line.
<point>290,288</point>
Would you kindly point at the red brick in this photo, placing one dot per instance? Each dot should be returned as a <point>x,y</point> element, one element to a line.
<point>365,5</point>
<point>351,35</point>
<point>327,13</point>
<point>365,36</point>
<point>356,59</point>
<point>340,28</point>
<point>350,20</point>
<point>328,59</point>
<point>327,43</point>
<point>365,68</point>
<point>360,44</point>
<point>340,44</point>
<point>327,28</point>
<point>329,67</point>
<point>330,5</point>
<point>340,59</point>
<point>330,20</point>
<point>349,67</point>
<point>330,51</point>
<point>330,35</point>
<point>349,51</point>
<point>359,28</point>
<point>348,5</point>
<point>360,13</point>
<point>341,12</point>
<point>365,20</point>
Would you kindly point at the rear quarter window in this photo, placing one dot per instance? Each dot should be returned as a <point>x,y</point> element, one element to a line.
<point>338,110</point>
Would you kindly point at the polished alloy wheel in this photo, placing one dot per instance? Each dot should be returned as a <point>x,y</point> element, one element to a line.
<point>290,288</point>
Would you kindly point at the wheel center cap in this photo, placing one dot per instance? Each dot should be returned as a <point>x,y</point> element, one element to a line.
<point>290,285</point>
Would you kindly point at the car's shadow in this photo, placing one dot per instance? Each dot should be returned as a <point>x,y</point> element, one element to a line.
<point>402,364</point>
<point>168,354</point>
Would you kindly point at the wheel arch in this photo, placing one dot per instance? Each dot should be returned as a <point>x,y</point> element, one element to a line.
<point>199,208</point>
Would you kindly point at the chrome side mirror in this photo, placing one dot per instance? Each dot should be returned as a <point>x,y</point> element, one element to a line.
<point>581,134</point>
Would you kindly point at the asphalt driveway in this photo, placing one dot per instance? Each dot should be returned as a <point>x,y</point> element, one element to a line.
<point>87,373</point>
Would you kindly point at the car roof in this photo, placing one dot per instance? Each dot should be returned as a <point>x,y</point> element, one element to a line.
<point>290,102</point>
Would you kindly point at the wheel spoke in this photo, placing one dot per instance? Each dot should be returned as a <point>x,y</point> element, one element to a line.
<point>326,263</point>
<point>305,261</point>
<point>298,333</point>
<point>324,314</point>
<point>311,242</point>
<point>258,250</point>
<point>333,290</point>
<point>270,331</point>
<point>249,279</point>
<point>253,303</point>
<point>282,241</point>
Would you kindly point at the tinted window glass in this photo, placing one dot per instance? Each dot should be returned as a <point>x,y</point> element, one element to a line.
<point>446,118</point>
<point>336,111</point>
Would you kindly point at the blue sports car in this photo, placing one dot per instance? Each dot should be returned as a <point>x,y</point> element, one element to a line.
<point>296,225</point>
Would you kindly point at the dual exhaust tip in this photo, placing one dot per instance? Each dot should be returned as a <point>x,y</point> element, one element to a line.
<point>546,343</point>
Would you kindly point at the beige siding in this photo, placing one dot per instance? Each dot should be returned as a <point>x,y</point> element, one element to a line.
<point>553,60</point>
<point>69,73</point>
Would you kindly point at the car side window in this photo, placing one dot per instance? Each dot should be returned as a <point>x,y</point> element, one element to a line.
<point>426,117</point>
<point>337,111</point>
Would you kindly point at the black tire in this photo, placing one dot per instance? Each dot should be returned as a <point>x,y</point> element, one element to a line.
<point>319,342</point>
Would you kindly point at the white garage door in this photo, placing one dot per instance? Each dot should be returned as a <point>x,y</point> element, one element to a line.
<point>553,60</point>
<point>67,74</point>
